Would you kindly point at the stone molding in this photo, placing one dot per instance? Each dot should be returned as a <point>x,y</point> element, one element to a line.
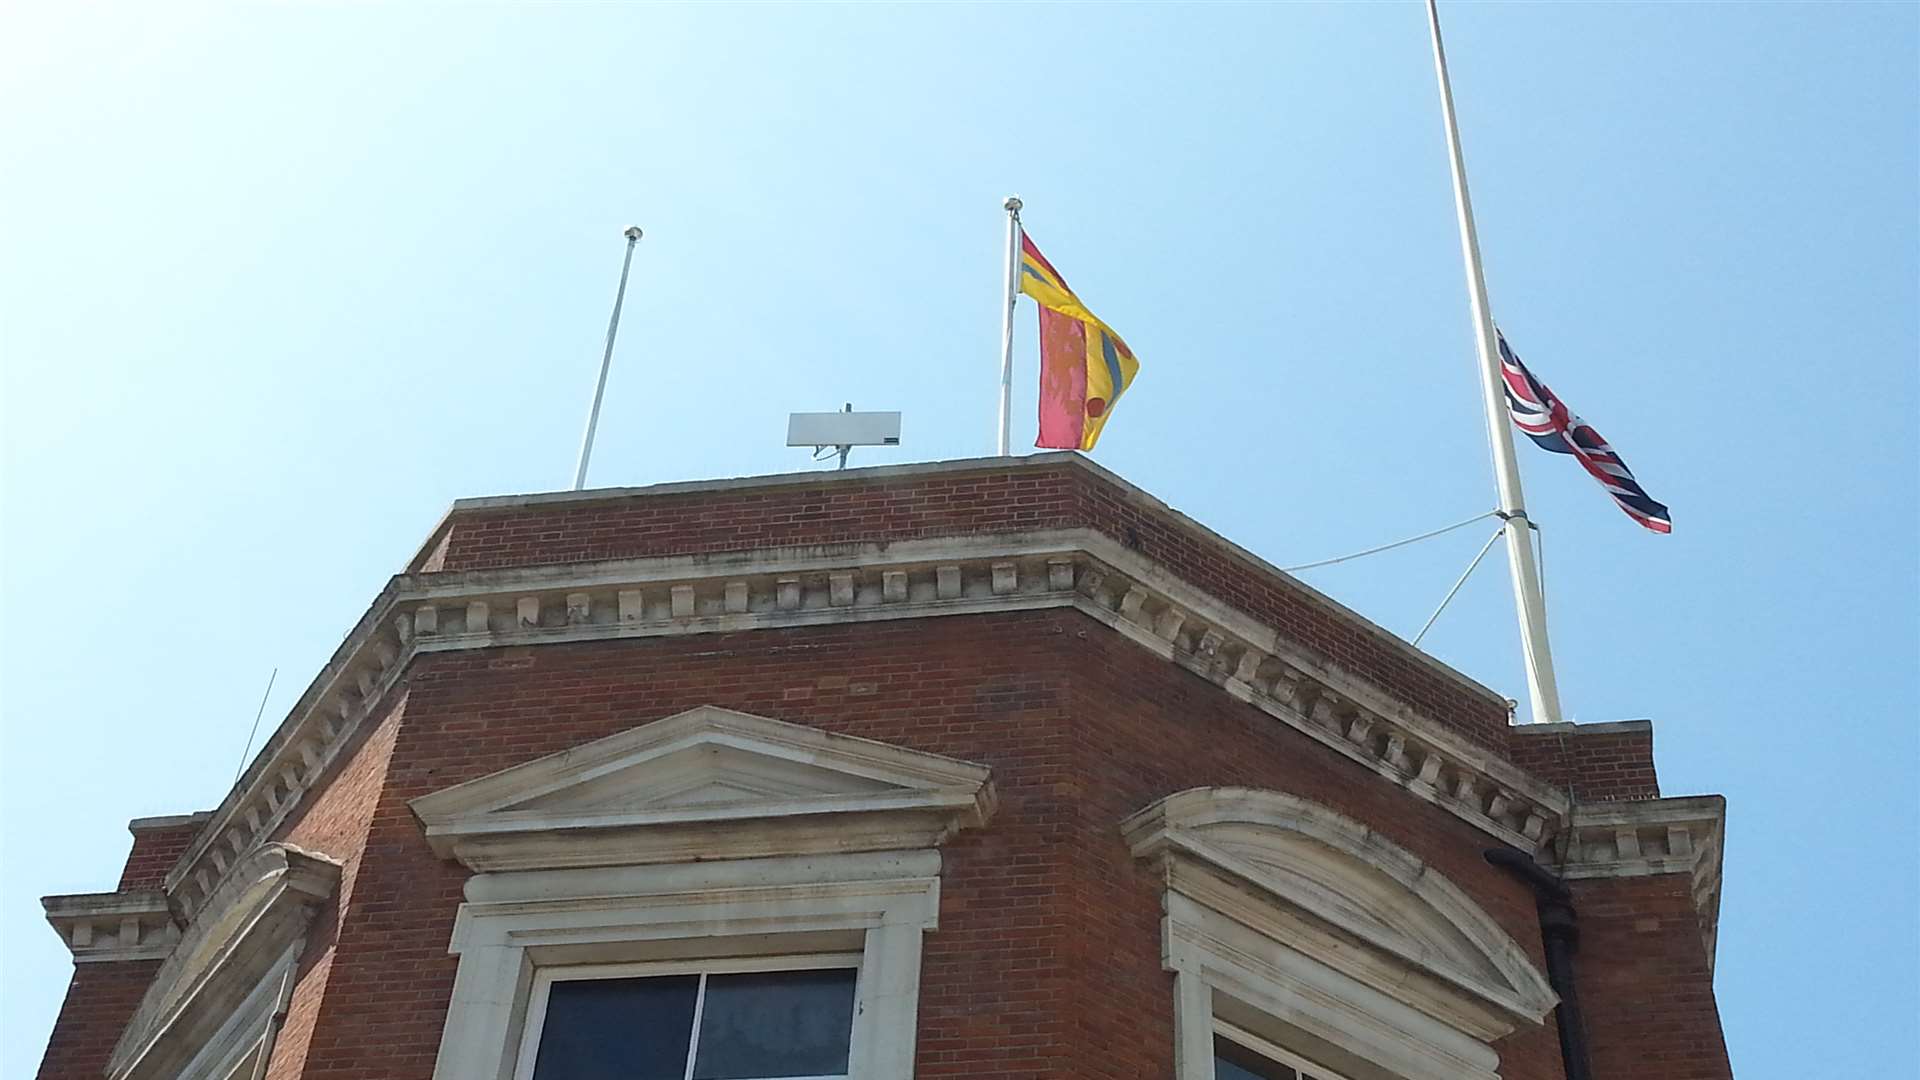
<point>167,821</point>
<point>258,915</point>
<point>705,784</point>
<point>1656,836</point>
<point>875,905</point>
<point>107,927</point>
<point>829,584</point>
<point>1127,492</point>
<point>1323,885</point>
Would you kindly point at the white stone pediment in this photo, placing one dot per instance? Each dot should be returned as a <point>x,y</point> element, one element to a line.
<point>709,783</point>
<point>1291,871</point>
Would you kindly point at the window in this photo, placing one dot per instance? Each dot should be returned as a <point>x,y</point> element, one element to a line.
<point>1242,1055</point>
<point>711,896</point>
<point>785,1018</point>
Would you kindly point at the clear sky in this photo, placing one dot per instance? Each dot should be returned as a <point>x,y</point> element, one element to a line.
<point>276,285</point>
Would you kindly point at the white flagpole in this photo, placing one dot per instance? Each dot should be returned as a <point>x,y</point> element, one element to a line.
<point>1541,686</point>
<point>606,362</point>
<point>1012,206</point>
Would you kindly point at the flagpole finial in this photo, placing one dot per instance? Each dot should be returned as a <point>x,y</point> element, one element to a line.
<point>1013,204</point>
<point>633,232</point>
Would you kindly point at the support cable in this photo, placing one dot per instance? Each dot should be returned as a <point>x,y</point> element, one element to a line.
<point>1395,544</point>
<point>1484,548</point>
<point>255,729</point>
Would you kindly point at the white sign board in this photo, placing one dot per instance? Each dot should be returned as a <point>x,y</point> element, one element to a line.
<point>843,429</point>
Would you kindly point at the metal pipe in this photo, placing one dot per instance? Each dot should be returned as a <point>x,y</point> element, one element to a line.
<point>606,362</point>
<point>1012,206</point>
<point>1560,935</point>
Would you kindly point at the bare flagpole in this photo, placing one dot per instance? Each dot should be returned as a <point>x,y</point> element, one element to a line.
<point>1012,206</point>
<point>606,362</point>
<point>1541,686</point>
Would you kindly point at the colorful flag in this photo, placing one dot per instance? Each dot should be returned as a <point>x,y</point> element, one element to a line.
<point>1084,366</point>
<point>1552,426</point>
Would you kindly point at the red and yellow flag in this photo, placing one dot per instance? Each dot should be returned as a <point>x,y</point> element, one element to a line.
<point>1084,366</point>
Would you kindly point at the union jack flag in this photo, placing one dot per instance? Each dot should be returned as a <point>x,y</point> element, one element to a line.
<point>1552,426</point>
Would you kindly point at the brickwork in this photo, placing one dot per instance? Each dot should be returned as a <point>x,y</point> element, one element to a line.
<point>335,823</point>
<point>1044,907</point>
<point>100,1000</point>
<point>1146,731</point>
<point>967,687</point>
<point>1606,765</point>
<point>155,850</point>
<point>1058,494</point>
<point>1645,984</point>
<point>853,510</point>
<point>1047,960</point>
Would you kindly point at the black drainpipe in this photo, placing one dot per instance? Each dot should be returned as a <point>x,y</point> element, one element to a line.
<point>1559,934</point>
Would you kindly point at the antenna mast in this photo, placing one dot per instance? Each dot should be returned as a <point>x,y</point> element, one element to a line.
<point>606,362</point>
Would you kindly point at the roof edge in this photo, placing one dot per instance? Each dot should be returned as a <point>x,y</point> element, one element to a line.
<point>1602,727</point>
<point>168,821</point>
<point>869,474</point>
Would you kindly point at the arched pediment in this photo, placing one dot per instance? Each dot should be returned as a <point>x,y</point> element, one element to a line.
<point>1326,885</point>
<point>257,918</point>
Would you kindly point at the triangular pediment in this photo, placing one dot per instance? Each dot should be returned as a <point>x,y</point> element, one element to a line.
<point>709,772</point>
<point>707,783</point>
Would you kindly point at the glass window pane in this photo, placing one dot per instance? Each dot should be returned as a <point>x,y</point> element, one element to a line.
<point>1231,1061</point>
<point>765,1024</point>
<point>617,1029</point>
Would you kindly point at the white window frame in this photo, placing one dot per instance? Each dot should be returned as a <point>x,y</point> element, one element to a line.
<point>519,925</point>
<point>710,834</point>
<point>544,979</point>
<point>1308,1070</point>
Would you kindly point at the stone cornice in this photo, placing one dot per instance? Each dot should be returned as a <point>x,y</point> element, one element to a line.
<point>259,912</point>
<point>908,473</point>
<point>1655,836</point>
<point>827,584</point>
<point>105,927</point>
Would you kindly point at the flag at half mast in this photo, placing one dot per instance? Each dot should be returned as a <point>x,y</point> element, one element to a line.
<point>1545,419</point>
<point>1084,366</point>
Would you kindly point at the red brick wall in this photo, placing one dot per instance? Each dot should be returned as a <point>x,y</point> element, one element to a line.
<point>1595,766</point>
<point>102,997</point>
<point>1146,730</point>
<point>958,503</point>
<point>155,850</point>
<point>1047,960</point>
<point>334,822</point>
<point>1644,983</point>
<point>100,1000</point>
<point>1046,963</point>
<point>903,507</point>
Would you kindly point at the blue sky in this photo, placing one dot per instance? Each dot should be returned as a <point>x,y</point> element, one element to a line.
<point>278,284</point>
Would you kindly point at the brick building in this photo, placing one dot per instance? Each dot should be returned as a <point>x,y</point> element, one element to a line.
<point>991,768</point>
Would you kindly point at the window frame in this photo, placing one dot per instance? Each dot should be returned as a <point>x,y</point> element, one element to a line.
<point>514,925</point>
<point>545,977</point>
<point>1308,1070</point>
